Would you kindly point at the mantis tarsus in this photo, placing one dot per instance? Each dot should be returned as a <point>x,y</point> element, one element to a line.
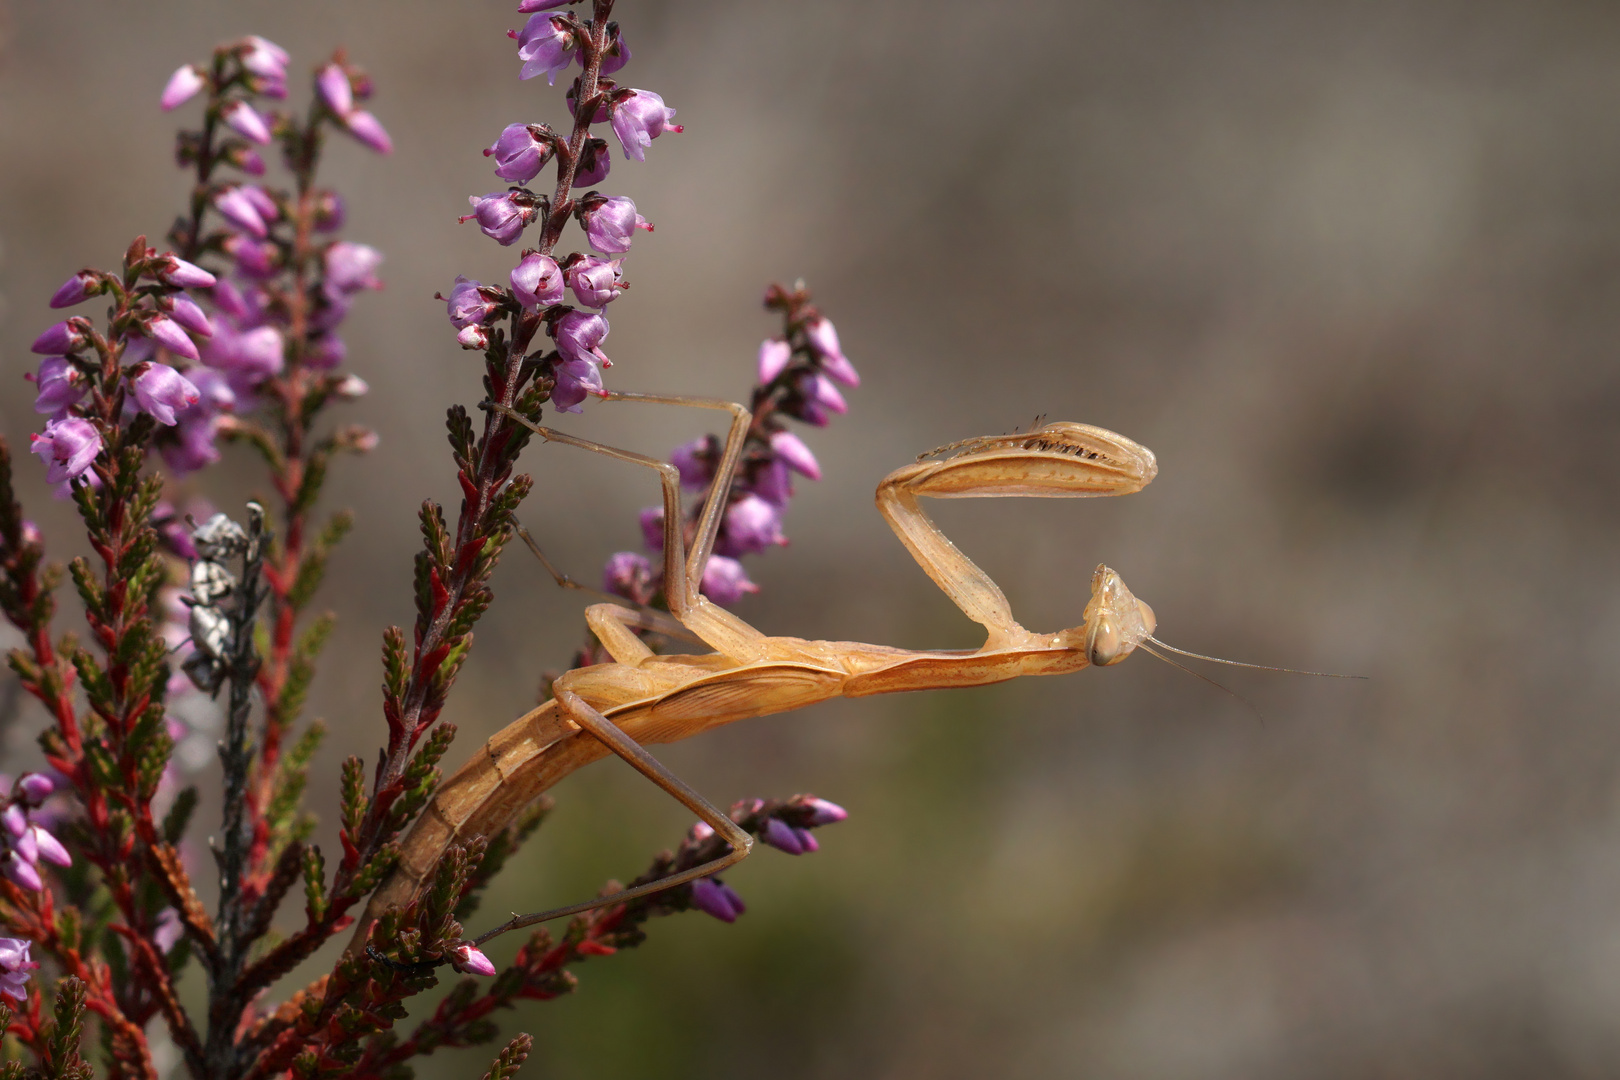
<point>642,697</point>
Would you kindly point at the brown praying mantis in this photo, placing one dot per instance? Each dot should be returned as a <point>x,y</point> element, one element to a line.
<point>641,697</point>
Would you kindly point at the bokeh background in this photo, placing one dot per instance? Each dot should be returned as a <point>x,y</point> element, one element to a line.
<point>1351,268</point>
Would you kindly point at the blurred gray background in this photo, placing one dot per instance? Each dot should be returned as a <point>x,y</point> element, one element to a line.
<point>1350,268</point>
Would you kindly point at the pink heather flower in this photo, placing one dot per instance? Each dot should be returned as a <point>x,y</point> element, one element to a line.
<point>229,299</point>
<point>183,86</point>
<point>791,449</point>
<point>695,460</point>
<point>195,448</point>
<point>267,62</point>
<point>725,581</point>
<point>176,271</point>
<point>651,519</point>
<point>351,267</point>
<point>369,130</point>
<point>14,968</point>
<point>596,282</point>
<point>752,524</point>
<point>254,258</point>
<point>615,56</point>
<point>502,215</point>
<point>262,202</point>
<point>537,281</point>
<point>784,837</point>
<point>47,846</point>
<point>326,352</point>
<point>60,385</point>
<point>627,574</point>
<point>824,812</point>
<point>245,158</point>
<point>774,356</point>
<point>546,46</point>
<point>820,389</point>
<point>62,338</point>
<point>351,388</point>
<point>639,119</point>
<point>160,391</point>
<point>259,353</point>
<point>15,820</point>
<point>189,315</point>
<point>716,898</point>
<point>332,83</point>
<point>166,332</point>
<point>771,482</point>
<point>34,787</point>
<point>575,380</point>
<point>579,336</point>
<point>469,305</point>
<point>22,871</point>
<point>68,447</point>
<point>236,207</point>
<point>520,152</point>
<point>167,933</point>
<point>467,959</point>
<point>824,340</point>
<point>245,120</point>
<point>77,289</point>
<point>611,222</point>
<point>473,337</point>
<point>594,163</point>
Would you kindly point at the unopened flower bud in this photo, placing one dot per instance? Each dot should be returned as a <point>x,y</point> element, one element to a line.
<point>695,460</point>
<point>469,960</point>
<point>473,337</point>
<point>173,270</point>
<point>725,581</point>
<point>236,207</point>
<point>166,332</point>
<point>77,289</point>
<point>267,63</point>
<point>21,871</point>
<point>823,812</point>
<point>183,86</point>
<point>369,131</point>
<point>791,449</point>
<point>34,787</point>
<point>245,120</point>
<point>15,820</point>
<point>784,837</point>
<point>824,340</point>
<point>189,315</point>
<point>63,338</point>
<point>49,847</point>
<point>351,267</point>
<point>330,211</point>
<point>332,83</point>
<point>774,356</point>
<point>716,898</point>
<point>350,388</point>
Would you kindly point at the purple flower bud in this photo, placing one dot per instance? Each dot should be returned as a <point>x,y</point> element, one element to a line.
<point>473,337</point>
<point>575,380</point>
<point>594,163</point>
<point>695,460</point>
<point>183,86</point>
<point>610,223</point>
<point>784,837</point>
<point>60,385</point>
<point>34,787</point>
<point>537,281</point>
<point>579,336</point>
<point>469,304</point>
<point>49,847</point>
<point>253,355</point>
<point>725,581</point>
<point>62,338</point>
<point>716,898</point>
<point>520,152</point>
<point>262,202</point>
<point>257,259</point>
<point>752,524</point>
<point>824,340</point>
<point>268,61</point>
<point>330,211</point>
<point>351,388</point>
<point>546,46</point>
<point>15,820</point>
<point>627,574</point>
<point>326,352</point>
<point>245,120</point>
<point>772,482</point>
<point>652,527</point>
<point>68,447</point>
<point>189,315</point>
<point>596,282</point>
<point>21,871</point>
<point>332,83</point>
<point>173,270</point>
<point>774,356</point>
<point>166,332</point>
<point>229,299</point>
<point>791,449</point>
<point>168,930</point>
<point>821,390</point>
<point>161,391</point>
<point>824,812</point>
<point>77,289</point>
<point>236,207</point>
<point>369,130</point>
<point>14,968</point>
<point>245,158</point>
<point>503,215</point>
<point>351,267</point>
<point>467,959</point>
<point>195,448</point>
<point>639,119</point>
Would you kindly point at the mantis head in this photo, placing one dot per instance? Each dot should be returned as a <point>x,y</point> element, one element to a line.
<point>1116,621</point>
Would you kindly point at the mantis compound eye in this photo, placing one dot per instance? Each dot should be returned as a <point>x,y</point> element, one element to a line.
<point>1104,643</point>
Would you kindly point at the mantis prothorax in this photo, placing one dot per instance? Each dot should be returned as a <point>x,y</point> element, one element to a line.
<point>642,697</point>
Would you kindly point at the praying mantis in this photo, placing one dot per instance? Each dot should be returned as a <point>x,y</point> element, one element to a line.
<point>641,697</point>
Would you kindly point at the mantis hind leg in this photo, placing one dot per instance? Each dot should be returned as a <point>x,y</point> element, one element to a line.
<point>600,727</point>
